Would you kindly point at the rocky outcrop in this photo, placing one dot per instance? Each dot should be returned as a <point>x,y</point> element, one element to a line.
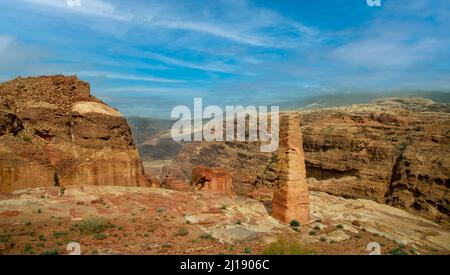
<point>53,132</point>
<point>216,179</point>
<point>394,151</point>
<point>385,153</point>
<point>176,184</point>
<point>291,199</point>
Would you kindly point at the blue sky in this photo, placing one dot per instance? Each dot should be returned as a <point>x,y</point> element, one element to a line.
<point>145,57</point>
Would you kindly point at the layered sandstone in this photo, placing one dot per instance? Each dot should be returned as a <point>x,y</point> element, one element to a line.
<point>53,132</point>
<point>176,184</point>
<point>291,199</point>
<point>393,151</point>
<point>216,179</point>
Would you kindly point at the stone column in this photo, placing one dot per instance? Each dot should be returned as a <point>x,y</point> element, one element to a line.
<point>291,199</point>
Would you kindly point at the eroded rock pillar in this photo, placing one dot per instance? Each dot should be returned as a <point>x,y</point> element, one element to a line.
<point>291,198</point>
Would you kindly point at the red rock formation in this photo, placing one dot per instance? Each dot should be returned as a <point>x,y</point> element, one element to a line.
<point>291,199</point>
<point>176,184</point>
<point>216,179</point>
<point>155,182</point>
<point>52,132</point>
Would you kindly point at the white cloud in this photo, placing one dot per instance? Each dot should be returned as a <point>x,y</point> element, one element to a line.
<point>88,7</point>
<point>219,67</point>
<point>238,22</point>
<point>113,75</point>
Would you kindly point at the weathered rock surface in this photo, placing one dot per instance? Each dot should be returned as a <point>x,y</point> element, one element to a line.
<point>176,184</point>
<point>53,132</point>
<point>290,199</point>
<point>394,151</point>
<point>216,179</point>
<point>243,223</point>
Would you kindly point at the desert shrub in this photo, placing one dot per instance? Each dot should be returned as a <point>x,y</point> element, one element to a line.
<point>207,236</point>
<point>100,236</point>
<point>317,227</point>
<point>398,251</point>
<point>59,234</point>
<point>340,226</point>
<point>247,250</point>
<point>294,223</point>
<point>160,210</point>
<point>4,238</point>
<point>182,231</point>
<point>285,247</point>
<point>42,238</point>
<point>238,222</point>
<point>323,239</point>
<point>27,247</point>
<point>93,226</point>
<point>312,232</point>
<point>50,252</point>
<point>26,138</point>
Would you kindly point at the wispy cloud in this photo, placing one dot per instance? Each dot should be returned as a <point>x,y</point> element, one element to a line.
<point>248,24</point>
<point>114,75</point>
<point>87,7</point>
<point>219,67</point>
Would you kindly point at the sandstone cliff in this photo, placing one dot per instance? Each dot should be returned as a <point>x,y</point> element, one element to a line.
<point>53,132</point>
<point>393,151</point>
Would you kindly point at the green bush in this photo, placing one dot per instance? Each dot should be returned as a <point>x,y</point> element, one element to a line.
<point>247,250</point>
<point>294,223</point>
<point>59,234</point>
<point>398,251</point>
<point>323,239</point>
<point>93,226</point>
<point>4,238</point>
<point>50,252</point>
<point>183,231</point>
<point>340,226</point>
<point>312,232</point>
<point>100,236</point>
<point>207,236</point>
<point>285,247</point>
<point>26,138</point>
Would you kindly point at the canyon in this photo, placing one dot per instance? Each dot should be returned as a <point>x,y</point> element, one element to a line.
<point>393,151</point>
<point>342,177</point>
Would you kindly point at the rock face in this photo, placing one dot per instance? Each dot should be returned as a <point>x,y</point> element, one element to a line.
<point>53,132</point>
<point>390,153</point>
<point>176,184</point>
<point>394,151</point>
<point>215,179</point>
<point>290,199</point>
